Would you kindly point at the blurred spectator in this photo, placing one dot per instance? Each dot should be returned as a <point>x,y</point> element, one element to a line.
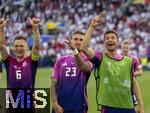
<point>60,17</point>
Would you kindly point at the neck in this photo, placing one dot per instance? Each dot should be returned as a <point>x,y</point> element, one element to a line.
<point>125,54</point>
<point>20,59</point>
<point>111,54</point>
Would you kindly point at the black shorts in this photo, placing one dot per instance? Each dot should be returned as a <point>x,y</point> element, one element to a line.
<point>74,111</point>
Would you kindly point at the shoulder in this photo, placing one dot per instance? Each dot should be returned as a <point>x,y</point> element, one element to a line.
<point>10,59</point>
<point>63,58</point>
<point>28,58</point>
<point>134,57</point>
<point>128,58</point>
<point>98,54</point>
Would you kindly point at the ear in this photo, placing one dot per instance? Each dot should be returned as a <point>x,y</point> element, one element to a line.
<point>13,48</point>
<point>27,47</point>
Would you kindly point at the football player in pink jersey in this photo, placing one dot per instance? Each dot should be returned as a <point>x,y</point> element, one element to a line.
<point>125,46</point>
<point>69,79</point>
<point>21,69</point>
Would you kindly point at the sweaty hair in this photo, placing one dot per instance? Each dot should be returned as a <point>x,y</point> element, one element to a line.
<point>111,31</point>
<point>77,32</point>
<point>20,37</point>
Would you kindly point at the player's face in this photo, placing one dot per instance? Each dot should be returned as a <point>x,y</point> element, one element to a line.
<point>20,47</point>
<point>125,49</point>
<point>77,40</point>
<point>111,41</point>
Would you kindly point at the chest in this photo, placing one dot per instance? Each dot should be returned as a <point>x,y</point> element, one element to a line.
<point>20,65</point>
<point>69,68</point>
<point>19,70</point>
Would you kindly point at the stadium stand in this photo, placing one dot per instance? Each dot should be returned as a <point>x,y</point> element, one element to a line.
<point>60,17</point>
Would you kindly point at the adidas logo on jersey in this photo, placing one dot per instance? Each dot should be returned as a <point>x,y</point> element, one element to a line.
<point>64,64</point>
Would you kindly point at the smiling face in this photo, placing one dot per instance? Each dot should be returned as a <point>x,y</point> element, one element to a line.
<point>125,46</point>
<point>20,47</point>
<point>111,41</point>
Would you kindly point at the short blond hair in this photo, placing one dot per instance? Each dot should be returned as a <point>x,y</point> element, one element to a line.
<point>126,42</point>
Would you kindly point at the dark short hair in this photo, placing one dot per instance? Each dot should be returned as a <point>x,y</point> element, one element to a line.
<point>111,31</point>
<point>77,32</point>
<point>20,37</point>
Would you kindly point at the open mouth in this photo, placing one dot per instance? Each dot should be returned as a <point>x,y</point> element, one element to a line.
<point>19,52</point>
<point>110,45</point>
<point>77,45</point>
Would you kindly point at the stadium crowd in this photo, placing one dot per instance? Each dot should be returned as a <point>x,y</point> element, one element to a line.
<point>59,18</point>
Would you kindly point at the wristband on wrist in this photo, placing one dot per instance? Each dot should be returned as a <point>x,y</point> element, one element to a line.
<point>75,52</point>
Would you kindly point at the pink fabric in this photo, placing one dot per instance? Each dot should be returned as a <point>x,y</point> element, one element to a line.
<point>58,63</point>
<point>85,111</point>
<point>136,62</point>
<point>56,68</point>
<point>99,56</point>
<point>103,109</point>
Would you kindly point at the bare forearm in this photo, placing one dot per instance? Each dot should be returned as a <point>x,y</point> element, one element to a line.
<point>87,38</point>
<point>2,36</point>
<point>83,65</point>
<point>53,92</point>
<point>3,49</point>
<point>89,53</point>
<point>36,34</point>
<point>36,45</point>
<point>137,91</point>
<point>138,73</point>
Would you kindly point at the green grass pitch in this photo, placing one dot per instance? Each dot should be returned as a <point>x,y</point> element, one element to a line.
<point>43,81</point>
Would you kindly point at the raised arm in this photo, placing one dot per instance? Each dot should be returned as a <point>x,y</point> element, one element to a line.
<point>0,74</point>
<point>3,50</point>
<point>85,66</point>
<point>94,23</point>
<point>35,22</point>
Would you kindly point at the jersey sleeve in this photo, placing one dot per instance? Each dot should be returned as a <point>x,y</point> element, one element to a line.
<point>55,73</point>
<point>34,63</point>
<point>87,60</point>
<point>136,64</point>
<point>8,61</point>
<point>97,59</point>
